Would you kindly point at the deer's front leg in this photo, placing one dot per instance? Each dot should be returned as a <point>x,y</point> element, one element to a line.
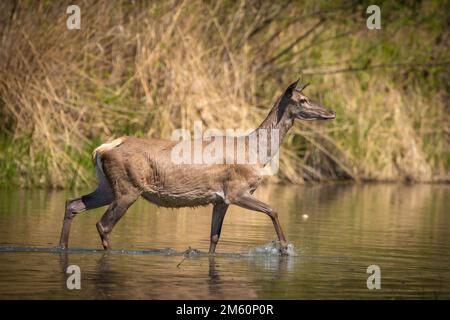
<point>218,215</point>
<point>247,201</point>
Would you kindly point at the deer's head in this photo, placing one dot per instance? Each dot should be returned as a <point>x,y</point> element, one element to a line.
<point>298,106</point>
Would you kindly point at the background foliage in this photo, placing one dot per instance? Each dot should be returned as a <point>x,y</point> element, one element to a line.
<point>145,68</point>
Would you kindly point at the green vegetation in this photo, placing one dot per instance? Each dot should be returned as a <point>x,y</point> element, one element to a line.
<point>146,68</point>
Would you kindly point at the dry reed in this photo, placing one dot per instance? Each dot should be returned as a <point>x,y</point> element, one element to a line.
<point>146,68</point>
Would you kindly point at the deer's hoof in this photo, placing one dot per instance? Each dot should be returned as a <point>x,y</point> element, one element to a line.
<point>284,248</point>
<point>105,244</point>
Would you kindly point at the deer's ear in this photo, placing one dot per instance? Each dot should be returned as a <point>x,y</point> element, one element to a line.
<point>291,88</point>
<point>283,103</point>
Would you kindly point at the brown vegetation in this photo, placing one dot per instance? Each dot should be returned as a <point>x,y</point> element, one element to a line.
<point>146,68</point>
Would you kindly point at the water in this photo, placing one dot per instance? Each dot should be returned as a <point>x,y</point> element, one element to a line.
<point>336,232</point>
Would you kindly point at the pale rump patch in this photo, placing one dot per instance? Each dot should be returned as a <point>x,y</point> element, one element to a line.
<point>99,151</point>
<point>107,146</point>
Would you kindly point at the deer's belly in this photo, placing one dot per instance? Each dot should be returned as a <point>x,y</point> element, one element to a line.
<point>178,200</point>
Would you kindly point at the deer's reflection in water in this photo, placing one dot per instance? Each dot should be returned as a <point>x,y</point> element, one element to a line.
<point>111,275</point>
<point>260,268</point>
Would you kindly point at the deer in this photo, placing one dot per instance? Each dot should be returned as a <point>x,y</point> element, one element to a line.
<point>129,167</point>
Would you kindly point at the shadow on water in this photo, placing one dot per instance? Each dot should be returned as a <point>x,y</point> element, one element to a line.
<point>215,285</point>
<point>337,230</point>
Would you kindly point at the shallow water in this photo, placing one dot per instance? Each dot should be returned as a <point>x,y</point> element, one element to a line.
<point>336,233</point>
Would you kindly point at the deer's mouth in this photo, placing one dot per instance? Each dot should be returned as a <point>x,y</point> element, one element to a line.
<point>328,115</point>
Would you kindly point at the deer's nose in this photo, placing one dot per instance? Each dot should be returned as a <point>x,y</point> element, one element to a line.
<point>329,115</point>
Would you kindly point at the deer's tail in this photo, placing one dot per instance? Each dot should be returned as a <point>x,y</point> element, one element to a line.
<point>97,158</point>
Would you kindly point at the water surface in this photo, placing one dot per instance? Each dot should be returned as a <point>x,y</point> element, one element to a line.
<point>337,231</point>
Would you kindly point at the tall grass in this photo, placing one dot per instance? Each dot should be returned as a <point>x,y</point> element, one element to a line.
<point>146,68</point>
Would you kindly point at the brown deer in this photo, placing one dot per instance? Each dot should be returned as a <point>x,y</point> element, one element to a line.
<point>130,167</point>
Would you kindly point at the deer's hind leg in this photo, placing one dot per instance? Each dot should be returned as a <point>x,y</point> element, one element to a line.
<point>100,197</point>
<point>113,214</point>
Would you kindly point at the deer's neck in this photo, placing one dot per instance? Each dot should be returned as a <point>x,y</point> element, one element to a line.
<point>274,128</point>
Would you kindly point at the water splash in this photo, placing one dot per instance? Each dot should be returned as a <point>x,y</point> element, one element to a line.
<point>272,248</point>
